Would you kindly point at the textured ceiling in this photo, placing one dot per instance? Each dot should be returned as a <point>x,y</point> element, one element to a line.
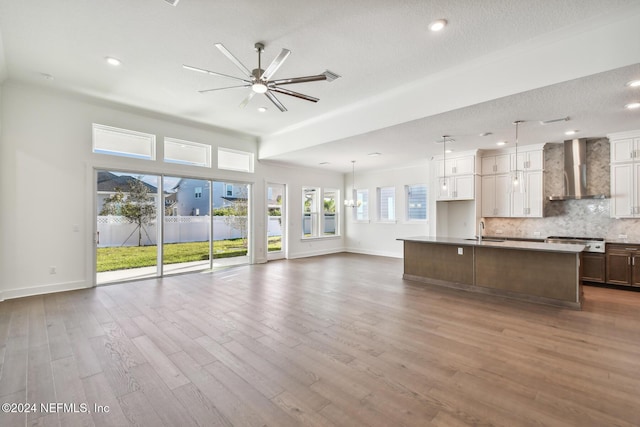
<point>461,81</point>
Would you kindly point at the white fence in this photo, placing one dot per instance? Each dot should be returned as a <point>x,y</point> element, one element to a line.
<point>117,231</point>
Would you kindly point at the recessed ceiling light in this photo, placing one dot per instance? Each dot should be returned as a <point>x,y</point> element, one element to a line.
<point>448,151</point>
<point>571,132</point>
<point>486,134</point>
<point>633,83</point>
<point>501,142</point>
<point>113,61</point>
<point>323,163</point>
<point>438,25</point>
<point>262,109</point>
<point>374,154</point>
<point>632,106</point>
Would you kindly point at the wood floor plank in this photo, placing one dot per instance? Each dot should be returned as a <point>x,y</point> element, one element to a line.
<point>169,409</point>
<point>232,361</point>
<point>234,409</point>
<point>170,374</point>
<point>200,407</point>
<point>269,412</point>
<point>138,410</point>
<point>40,384</point>
<point>99,392</point>
<point>69,390</point>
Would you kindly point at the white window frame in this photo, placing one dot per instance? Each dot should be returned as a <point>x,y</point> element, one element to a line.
<point>336,214</point>
<point>143,140</point>
<point>188,145</point>
<point>245,156</point>
<point>316,214</point>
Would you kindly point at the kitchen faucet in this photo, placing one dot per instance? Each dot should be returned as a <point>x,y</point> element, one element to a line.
<point>481,228</point>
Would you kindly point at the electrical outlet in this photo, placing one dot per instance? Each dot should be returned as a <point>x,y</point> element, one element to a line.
<point>622,236</point>
<point>536,233</point>
<point>499,231</point>
<point>52,269</point>
<point>460,251</point>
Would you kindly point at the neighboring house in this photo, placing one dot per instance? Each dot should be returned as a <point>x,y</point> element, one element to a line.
<point>192,196</point>
<point>109,183</point>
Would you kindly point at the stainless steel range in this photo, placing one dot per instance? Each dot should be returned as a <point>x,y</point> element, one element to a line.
<point>592,244</point>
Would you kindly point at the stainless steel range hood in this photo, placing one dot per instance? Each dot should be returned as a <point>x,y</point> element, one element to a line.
<point>575,172</point>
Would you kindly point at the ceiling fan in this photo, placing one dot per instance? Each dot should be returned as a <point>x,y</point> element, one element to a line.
<point>259,80</point>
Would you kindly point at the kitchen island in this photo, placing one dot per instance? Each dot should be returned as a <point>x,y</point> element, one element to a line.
<point>547,273</point>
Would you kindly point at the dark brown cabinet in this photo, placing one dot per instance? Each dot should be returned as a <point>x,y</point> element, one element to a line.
<point>593,267</point>
<point>623,264</point>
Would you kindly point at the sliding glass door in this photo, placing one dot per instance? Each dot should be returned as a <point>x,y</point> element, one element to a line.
<point>276,221</point>
<point>126,230</point>
<point>186,231</point>
<point>201,224</point>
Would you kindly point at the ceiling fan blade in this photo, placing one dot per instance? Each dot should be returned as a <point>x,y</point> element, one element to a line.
<point>295,80</point>
<point>273,99</point>
<point>273,67</point>
<point>222,88</point>
<point>233,59</point>
<point>296,94</point>
<point>247,99</point>
<point>213,73</point>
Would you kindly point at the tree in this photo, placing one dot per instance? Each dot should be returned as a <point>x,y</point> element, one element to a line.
<point>237,214</point>
<point>137,206</point>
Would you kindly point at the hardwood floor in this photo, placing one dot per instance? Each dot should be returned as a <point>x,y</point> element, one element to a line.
<point>334,340</point>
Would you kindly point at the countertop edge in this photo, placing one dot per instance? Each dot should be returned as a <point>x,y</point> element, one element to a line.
<point>507,244</point>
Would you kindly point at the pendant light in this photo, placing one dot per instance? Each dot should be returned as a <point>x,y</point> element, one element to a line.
<point>351,203</point>
<point>517,176</point>
<point>444,163</point>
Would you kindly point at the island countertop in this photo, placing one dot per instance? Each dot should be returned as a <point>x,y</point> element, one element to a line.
<point>506,244</point>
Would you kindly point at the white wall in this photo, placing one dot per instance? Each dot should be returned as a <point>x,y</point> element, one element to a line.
<point>47,184</point>
<point>379,238</point>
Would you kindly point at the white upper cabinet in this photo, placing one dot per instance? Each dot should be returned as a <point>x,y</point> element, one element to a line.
<point>530,202</point>
<point>497,200</point>
<point>464,165</point>
<point>625,174</point>
<point>495,195</point>
<point>495,164</point>
<point>459,187</point>
<point>528,160</point>
<point>625,150</point>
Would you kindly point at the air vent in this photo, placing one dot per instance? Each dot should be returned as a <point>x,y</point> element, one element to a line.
<point>548,122</point>
<point>331,76</point>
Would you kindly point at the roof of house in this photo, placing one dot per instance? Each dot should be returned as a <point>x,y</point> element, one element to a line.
<point>108,181</point>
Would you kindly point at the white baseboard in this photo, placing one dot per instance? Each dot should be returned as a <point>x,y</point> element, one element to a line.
<point>315,253</point>
<point>376,253</point>
<point>43,289</point>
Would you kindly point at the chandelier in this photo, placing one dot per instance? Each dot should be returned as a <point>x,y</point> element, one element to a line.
<point>353,202</point>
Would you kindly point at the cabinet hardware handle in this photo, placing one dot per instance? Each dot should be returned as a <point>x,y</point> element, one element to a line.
<point>628,260</point>
<point>631,249</point>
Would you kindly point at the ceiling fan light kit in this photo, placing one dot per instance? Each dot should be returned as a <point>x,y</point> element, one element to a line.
<point>259,79</point>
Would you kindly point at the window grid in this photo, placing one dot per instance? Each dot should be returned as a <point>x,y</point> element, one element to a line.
<point>416,196</point>
<point>386,203</point>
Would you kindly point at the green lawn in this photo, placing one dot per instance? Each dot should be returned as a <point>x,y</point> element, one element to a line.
<point>121,258</point>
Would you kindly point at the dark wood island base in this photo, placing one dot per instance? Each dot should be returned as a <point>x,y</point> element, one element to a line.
<point>545,273</point>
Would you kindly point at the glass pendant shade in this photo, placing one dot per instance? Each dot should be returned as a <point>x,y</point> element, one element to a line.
<point>353,202</point>
<point>517,175</point>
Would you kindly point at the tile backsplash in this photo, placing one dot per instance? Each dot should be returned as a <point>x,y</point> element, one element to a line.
<point>583,218</point>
